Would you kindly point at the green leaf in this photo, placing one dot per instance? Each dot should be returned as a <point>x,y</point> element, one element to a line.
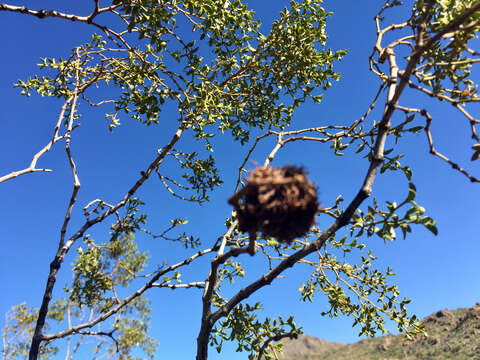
<point>412,192</point>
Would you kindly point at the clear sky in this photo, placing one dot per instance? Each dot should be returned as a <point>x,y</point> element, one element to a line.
<point>436,272</point>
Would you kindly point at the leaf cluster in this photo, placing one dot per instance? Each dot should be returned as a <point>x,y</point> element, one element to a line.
<point>251,334</point>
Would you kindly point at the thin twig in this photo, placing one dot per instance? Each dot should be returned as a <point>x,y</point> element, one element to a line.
<point>433,151</point>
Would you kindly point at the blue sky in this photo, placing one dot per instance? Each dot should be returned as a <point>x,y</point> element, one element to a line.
<point>436,272</point>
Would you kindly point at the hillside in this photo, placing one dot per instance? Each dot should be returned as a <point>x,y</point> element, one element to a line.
<point>452,335</point>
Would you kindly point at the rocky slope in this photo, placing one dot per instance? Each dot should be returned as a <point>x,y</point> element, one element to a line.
<point>452,335</point>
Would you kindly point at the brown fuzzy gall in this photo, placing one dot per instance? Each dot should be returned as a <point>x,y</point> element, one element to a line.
<point>279,202</point>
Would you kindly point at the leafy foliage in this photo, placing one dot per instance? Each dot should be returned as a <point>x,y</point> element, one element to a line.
<point>18,331</point>
<point>210,61</point>
<point>250,333</point>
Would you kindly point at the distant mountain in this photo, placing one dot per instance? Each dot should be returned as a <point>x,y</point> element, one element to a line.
<point>305,346</point>
<point>452,335</point>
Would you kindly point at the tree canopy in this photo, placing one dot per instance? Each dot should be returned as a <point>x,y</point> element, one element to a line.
<point>203,75</point>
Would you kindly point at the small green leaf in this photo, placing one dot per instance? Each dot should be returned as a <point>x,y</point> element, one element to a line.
<point>412,192</point>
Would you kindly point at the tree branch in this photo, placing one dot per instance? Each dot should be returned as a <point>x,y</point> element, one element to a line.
<point>209,319</point>
<point>453,26</point>
<point>63,250</point>
<point>55,138</point>
<point>127,300</point>
<point>433,151</point>
<point>42,14</point>
<point>198,284</point>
